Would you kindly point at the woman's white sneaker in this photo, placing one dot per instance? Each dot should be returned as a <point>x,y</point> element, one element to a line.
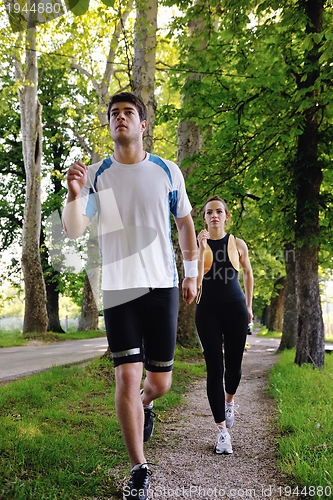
<point>230,414</point>
<point>223,443</point>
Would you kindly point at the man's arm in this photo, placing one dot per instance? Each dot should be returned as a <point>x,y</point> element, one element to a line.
<point>74,221</point>
<point>188,245</point>
<point>202,238</point>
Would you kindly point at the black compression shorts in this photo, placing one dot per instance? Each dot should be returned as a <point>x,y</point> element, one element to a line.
<point>143,329</point>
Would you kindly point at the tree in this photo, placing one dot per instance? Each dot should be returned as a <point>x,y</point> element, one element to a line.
<point>90,302</point>
<point>144,62</point>
<point>307,173</point>
<point>190,142</point>
<point>289,327</point>
<point>55,94</point>
<point>273,313</point>
<point>35,314</point>
<point>261,96</point>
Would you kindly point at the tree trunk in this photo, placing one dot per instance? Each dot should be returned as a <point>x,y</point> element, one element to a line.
<point>35,314</point>
<point>275,317</point>
<point>52,280</point>
<point>52,304</point>
<point>265,316</point>
<point>310,346</point>
<point>144,62</point>
<point>289,328</point>
<point>186,329</point>
<point>90,302</point>
<point>89,312</point>
<point>189,143</point>
<point>276,306</point>
<point>189,140</point>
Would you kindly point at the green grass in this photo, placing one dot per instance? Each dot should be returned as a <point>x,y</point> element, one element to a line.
<point>59,435</point>
<point>60,438</point>
<point>264,332</point>
<point>13,338</point>
<point>304,398</point>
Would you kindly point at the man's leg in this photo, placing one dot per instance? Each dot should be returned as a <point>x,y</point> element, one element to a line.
<point>156,384</point>
<point>129,409</point>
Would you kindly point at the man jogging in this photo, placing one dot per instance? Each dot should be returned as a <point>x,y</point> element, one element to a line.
<point>133,193</point>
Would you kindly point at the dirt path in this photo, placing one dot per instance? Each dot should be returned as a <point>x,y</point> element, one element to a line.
<point>182,450</point>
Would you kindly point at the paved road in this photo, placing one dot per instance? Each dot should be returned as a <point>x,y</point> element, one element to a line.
<point>16,362</point>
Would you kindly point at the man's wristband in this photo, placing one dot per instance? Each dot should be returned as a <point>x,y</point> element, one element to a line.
<point>191,268</point>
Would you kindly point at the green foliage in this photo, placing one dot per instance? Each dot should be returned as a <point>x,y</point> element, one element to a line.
<point>244,78</point>
<point>12,303</point>
<point>78,7</point>
<point>109,3</point>
<point>249,92</point>
<point>304,399</point>
<point>12,174</point>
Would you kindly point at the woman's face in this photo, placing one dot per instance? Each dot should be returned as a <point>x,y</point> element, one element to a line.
<point>215,214</point>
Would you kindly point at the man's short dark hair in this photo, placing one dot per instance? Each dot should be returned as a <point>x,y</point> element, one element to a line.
<point>133,99</point>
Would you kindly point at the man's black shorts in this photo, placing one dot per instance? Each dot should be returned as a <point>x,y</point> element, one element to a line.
<point>143,329</point>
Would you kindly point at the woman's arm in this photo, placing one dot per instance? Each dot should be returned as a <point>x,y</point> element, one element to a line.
<point>202,238</point>
<point>247,274</point>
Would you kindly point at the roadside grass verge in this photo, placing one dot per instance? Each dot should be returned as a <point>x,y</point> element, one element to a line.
<point>304,398</point>
<point>14,338</point>
<point>264,332</point>
<point>11,338</point>
<point>59,435</point>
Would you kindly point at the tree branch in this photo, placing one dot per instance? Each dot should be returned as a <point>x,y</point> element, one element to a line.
<point>78,67</point>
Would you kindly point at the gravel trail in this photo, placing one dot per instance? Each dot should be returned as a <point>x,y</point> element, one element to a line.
<point>184,463</point>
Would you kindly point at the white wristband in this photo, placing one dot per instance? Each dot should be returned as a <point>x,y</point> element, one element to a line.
<point>191,268</point>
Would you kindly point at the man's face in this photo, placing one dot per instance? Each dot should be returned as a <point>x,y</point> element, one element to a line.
<point>125,124</point>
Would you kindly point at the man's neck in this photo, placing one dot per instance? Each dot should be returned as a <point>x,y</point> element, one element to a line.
<point>129,155</point>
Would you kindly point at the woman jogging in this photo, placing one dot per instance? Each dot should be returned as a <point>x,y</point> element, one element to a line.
<point>222,314</point>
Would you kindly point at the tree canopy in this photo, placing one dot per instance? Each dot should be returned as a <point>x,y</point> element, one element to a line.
<point>255,79</point>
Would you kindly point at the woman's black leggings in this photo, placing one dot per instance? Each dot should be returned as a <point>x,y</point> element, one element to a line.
<point>219,324</point>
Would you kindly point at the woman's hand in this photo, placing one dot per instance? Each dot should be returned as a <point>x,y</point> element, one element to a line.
<point>202,238</point>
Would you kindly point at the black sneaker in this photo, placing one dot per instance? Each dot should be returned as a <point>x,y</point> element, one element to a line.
<point>138,485</point>
<point>149,424</point>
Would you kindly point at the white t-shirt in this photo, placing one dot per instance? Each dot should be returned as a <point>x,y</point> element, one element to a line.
<point>133,203</point>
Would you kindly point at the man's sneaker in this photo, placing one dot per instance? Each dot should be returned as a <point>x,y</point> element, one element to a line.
<point>138,485</point>
<point>149,423</point>
<point>223,443</point>
<point>230,414</point>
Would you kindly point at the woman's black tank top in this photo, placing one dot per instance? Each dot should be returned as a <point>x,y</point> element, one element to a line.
<point>220,283</point>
